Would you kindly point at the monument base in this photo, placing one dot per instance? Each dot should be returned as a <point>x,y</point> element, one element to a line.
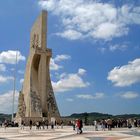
<point>26,120</point>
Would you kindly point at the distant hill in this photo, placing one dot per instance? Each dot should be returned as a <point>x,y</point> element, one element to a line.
<point>93,114</point>
<point>5,116</point>
<point>89,117</point>
<point>96,115</point>
<point>127,116</point>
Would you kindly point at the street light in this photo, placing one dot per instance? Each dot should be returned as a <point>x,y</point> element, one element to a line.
<point>14,87</point>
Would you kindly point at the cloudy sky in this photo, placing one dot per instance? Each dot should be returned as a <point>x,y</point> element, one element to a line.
<point>96,52</point>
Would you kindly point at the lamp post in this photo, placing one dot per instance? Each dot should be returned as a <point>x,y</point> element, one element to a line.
<point>14,87</point>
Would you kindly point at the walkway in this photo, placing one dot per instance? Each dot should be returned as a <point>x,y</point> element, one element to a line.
<point>68,134</point>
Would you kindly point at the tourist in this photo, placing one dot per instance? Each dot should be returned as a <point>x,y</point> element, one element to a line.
<point>52,125</point>
<point>5,124</point>
<point>73,125</point>
<point>30,123</point>
<point>135,123</point>
<point>80,127</point>
<point>77,125</point>
<point>37,125</point>
<point>46,123</point>
<point>43,124</point>
<point>103,125</point>
<point>22,124</point>
<point>40,124</point>
<point>139,123</point>
<point>57,125</point>
<point>0,124</point>
<point>109,124</point>
<point>61,124</point>
<point>96,125</point>
<point>129,123</point>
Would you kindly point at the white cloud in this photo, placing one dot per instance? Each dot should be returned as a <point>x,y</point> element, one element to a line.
<point>83,19</point>
<point>54,61</point>
<point>126,75</point>
<point>4,79</point>
<point>70,34</point>
<point>6,102</point>
<point>2,67</point>
<point>9,57</point>
<point>21,81</point>
<point>20,71</point>
<point>108,30</point>
<point>69,100</point>
<point>81,71</point>
<point>102,49</point>
<point>62,57</point>
<point>54,66</point>
<point>130,14</point>
<point>63,75</point>
<point>84,96</point>
<point>89,96</point>
<point>69,82</point>
<point>129,95</point>
<point>50,4</point>
<point>98,95</point>
<point>118,47</point>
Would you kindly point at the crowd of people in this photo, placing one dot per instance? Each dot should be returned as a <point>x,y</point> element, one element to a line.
<point>104,124</point>
<point>116,123</point>
<point>7,123</point>
<point>42,124</point>
<point>38,124</point>
<point>77,125</point>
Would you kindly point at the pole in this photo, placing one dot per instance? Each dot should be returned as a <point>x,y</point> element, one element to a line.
<point>14,87</point>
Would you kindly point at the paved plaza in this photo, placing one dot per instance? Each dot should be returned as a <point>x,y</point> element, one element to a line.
<point>67,133</point>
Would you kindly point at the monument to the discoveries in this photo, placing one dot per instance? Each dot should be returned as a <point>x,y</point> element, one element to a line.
<point>36,99</point>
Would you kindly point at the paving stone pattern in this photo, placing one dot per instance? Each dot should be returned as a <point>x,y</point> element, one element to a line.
<point>68,134</point>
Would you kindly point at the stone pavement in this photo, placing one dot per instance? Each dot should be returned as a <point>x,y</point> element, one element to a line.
<point>68,134</point>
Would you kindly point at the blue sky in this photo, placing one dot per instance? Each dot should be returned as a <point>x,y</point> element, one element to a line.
<point>96,52</point>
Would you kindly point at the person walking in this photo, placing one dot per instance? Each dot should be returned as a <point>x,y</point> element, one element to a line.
<point>73,124</point>
<point>30,123</point>
<point>62,124</point>
<point>47,123</point>
<point>5,124</point>
<point>52,125</point>
<point>109,123</point>
<point>103,125</point>
<point>80,127</point>
<point>22,125</point>
<point>96,125</point>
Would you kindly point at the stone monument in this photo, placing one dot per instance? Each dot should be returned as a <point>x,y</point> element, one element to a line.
<point>36,99</point>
